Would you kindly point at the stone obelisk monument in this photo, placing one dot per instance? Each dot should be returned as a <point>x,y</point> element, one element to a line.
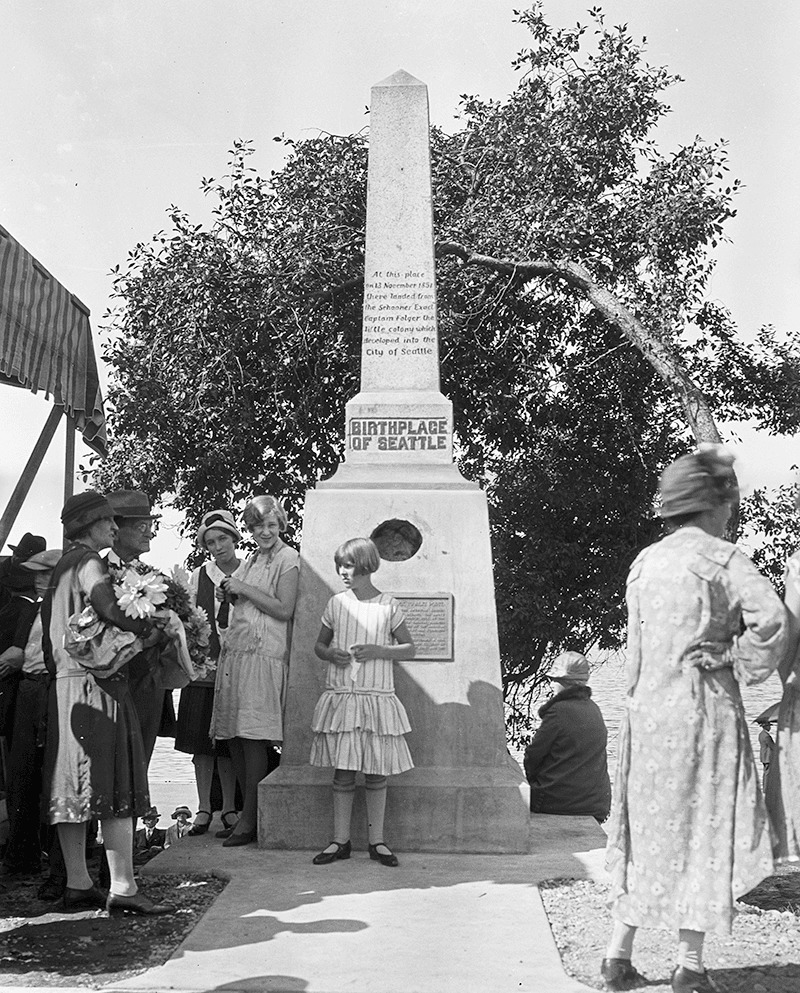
<point>400,486</point>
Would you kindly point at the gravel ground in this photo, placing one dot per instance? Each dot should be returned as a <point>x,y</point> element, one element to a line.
<point>41,945</point>
<point>762,955</point>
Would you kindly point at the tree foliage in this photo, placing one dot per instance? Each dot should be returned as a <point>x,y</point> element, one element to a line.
<point>576,341</point>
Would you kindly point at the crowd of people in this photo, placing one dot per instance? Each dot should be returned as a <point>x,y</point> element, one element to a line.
<point>81,723</point>
<point>691,827</point>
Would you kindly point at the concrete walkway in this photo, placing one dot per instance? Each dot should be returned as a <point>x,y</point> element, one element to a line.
<point>435,924</point>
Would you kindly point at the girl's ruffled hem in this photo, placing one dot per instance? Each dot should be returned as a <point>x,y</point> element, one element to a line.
<point>378,714</point>
<point>373,754</point>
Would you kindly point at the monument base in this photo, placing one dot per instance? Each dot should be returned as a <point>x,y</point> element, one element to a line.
<point>427,810</point>
<point>465,793</point>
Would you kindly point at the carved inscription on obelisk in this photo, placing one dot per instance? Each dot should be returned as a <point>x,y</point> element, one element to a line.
<point>400,414</point>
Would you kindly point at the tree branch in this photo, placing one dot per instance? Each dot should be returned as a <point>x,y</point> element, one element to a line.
<point>661,357</point>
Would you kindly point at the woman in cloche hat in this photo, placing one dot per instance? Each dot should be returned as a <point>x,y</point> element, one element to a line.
<point>689,832</point>
<point>219,537</point>
<point>94,758</point>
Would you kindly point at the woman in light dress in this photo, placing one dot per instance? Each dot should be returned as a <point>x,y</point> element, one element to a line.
<point>783,781</point>
<point>689,832</point>
<point>250,689</point>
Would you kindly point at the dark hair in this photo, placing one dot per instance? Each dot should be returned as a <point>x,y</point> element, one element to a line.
<point>361,553</point>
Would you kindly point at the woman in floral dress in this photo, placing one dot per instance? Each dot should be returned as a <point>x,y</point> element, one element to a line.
<point>783,782</point>
<point>689,832</point>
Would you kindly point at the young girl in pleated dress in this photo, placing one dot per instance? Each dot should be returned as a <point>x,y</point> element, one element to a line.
<point>358,722</point>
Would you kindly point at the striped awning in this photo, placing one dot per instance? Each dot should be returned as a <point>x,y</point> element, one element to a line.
<point>46,341</point>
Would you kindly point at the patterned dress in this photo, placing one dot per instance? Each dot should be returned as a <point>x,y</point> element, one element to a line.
<point>689,832</point>
<point>250,689</point>
<point>358,722</point>
<point>94,764</point>
<point>783,781</point>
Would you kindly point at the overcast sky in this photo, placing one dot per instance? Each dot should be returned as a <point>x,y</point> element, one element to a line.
<point>112,111</point>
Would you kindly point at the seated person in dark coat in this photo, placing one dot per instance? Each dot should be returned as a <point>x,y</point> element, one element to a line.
<point>565,763</point>
<point>149,840</point>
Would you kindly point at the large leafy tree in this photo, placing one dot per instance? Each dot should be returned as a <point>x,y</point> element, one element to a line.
<point>573,256</point>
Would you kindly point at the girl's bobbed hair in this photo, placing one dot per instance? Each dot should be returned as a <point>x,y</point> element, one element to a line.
<point>361,553</point>
<point>260,507</point>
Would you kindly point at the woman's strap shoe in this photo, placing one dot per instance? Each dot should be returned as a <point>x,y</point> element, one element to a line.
<point>242,838</point>
<point>688,981</point>
<point>136,904</point>
<point>619,974</point>
<point>340,852</point>
<point>196,828</point>
<point>385,858</point>
<point>229,820</point>
<point>83,899</point>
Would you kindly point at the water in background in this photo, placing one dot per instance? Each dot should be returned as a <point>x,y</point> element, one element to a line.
<point>608,692</point>
<point>172,773</point>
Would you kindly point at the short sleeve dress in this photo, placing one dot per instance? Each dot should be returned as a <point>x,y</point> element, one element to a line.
<point>358,722</point>
<point>250,690</point>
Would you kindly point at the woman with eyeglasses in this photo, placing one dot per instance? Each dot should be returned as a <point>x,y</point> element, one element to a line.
<point>250,690</point>
<point>219,536</point>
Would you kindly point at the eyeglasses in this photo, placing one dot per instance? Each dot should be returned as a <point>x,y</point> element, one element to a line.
<point>147,526</point>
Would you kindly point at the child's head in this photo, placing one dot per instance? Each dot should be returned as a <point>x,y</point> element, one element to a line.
<point>361,553</point>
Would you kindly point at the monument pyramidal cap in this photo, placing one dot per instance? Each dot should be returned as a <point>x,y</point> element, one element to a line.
<point>400,486</point>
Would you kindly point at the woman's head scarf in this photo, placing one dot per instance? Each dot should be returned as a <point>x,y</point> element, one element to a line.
<point>700,481</point>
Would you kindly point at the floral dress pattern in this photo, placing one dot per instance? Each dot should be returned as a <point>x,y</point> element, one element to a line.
<point>783,781</point>
<point>689,832</point>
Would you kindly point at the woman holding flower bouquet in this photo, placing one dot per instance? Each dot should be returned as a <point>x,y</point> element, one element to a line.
<point>219,536</point>
<point>251,675</point>
<point>94,757</point>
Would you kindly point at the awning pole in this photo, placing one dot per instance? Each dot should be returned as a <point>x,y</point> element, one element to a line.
<point>69,469</point>
<point>69,460</point>
<point>22,488</point>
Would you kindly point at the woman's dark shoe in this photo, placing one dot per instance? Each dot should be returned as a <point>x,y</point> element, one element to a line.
<point>136,904</point>
<point>619,974</point>
<point>242,838</point>
<point>229,821</point>
<point>340,852</point>
<point>688,981</point>
<point>51,889</point>
<point>83,899</point>
<point>385,858</point>
<point>196,828</point>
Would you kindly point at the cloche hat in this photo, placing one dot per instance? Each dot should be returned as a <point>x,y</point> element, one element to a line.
<point>221,520</point>
<point>84,509</point>
<point>572,666</point>
<point>43,561</point>
<point>701,480</point>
